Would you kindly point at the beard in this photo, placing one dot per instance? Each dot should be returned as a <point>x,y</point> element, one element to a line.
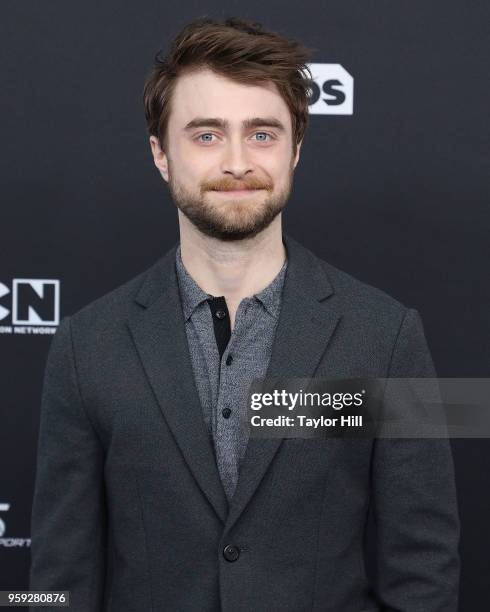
<point>231,217</point>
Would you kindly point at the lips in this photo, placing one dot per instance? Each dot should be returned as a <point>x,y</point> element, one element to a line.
<point>235,190</point>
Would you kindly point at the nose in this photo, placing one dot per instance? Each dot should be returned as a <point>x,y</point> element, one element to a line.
<point>236,159</point>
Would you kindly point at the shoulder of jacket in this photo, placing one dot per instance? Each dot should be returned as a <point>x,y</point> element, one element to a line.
<point>361,297</point>
<point>112,307</point>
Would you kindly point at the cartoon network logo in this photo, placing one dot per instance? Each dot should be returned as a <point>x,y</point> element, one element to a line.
<point>10,542</point>
<point>331,90</point>
<point>30,306</point>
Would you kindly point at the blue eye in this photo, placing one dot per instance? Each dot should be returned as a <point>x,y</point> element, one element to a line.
<point>206,139</point>
<point>262,134</point>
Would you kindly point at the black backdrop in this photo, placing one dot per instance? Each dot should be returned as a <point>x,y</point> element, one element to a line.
<point>395,193</point>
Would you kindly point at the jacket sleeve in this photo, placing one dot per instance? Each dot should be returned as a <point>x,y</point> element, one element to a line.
<point>68,525</point>
<point>415,504</point>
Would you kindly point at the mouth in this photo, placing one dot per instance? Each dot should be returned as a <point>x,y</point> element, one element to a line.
<point>236,192</point>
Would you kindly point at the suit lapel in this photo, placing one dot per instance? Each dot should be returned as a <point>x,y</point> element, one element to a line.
<point>158,331</point>
<point>306,323</point>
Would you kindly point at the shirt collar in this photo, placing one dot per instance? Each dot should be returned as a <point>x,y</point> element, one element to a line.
<point>270,297</point>
<point>192,295</point>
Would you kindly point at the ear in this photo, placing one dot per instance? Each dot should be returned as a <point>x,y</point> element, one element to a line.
<point>159,157</point>
<point>296,157</point>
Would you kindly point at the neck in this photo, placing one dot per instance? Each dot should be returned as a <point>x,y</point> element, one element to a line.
<point>235,269</point>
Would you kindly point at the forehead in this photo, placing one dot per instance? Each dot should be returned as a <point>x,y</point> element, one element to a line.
<point>205,93</point>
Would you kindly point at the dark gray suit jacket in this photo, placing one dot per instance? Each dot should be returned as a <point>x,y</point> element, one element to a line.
<point>129,512</point>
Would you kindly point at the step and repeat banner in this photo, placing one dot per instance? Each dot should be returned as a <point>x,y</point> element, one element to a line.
<point>392,187</point>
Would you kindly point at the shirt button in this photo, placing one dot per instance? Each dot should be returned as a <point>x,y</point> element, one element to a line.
<point>226,412</point>
<point>229,360</point>
<point>220,314</point>
<point>231,553</point>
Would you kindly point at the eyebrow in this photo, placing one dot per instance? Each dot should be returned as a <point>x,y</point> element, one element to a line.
<point>224,124</point>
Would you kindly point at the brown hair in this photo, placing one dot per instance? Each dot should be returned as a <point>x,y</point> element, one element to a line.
<point>238,49</point>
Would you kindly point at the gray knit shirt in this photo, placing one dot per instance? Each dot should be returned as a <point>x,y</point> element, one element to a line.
<point>223,383</point>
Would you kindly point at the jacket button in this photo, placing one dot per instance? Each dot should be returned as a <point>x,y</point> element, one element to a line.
<point>231,553</point>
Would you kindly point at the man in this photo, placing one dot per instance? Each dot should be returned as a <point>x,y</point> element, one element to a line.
<point>149,493</point>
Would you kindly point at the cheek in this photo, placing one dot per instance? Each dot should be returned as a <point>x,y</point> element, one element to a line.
<point>275,162</point>
<point>185,170</point>
<point>277,170</point>
<point>195,165</point>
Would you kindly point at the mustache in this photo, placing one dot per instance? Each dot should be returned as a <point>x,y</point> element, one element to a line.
<point>229,184</point>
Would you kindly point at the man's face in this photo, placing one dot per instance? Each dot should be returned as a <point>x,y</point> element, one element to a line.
<point>229,161</point>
